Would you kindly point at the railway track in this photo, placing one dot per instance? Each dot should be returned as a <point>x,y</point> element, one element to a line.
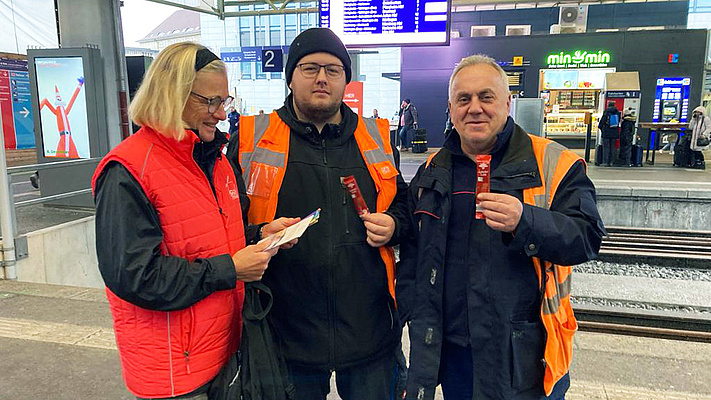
<point>688,249</point>
<point>646,323</point>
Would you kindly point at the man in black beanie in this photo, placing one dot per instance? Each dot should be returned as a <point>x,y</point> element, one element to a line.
<point>334,306</point>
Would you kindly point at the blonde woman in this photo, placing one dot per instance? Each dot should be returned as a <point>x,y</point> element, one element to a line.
<point>171,240</point>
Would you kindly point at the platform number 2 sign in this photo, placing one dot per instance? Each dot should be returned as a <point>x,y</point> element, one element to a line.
<point>272,60</point>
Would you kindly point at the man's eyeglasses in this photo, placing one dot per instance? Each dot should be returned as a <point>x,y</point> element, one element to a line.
<point>311,70</point>
<point>213,103</point>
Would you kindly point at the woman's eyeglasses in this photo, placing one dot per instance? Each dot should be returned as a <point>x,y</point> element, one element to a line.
<point>213,103</point>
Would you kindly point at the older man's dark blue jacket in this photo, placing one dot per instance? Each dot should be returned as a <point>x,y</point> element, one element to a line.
<point>503,296</point>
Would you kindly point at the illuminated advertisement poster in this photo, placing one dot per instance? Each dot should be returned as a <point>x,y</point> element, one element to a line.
<point>63,115</point>
<point>15,104</point>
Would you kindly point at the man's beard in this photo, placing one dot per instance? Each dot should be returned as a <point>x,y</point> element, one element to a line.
<point>319,113</point>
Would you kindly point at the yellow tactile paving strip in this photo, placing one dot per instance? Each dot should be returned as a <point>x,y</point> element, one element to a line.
<point>594,391</point>
<point>52,332</point>
<point>103,338</point>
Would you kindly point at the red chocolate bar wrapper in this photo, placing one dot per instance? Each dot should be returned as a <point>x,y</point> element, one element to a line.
<point>483,172</point>
<point>350,183</point>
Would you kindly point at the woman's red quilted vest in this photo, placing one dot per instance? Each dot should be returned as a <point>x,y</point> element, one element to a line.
<point>166,354</point>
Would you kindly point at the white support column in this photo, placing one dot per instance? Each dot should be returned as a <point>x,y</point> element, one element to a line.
<point>6,216</point>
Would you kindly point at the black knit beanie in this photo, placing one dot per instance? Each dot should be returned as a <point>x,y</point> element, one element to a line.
<point>316,40</point>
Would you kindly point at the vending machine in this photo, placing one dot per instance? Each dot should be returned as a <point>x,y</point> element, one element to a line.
<point>671,101</point>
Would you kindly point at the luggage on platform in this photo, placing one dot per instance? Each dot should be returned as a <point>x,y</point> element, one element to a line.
<point>419,141</point>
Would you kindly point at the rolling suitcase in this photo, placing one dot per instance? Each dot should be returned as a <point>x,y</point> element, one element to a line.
<point>419,141</point>
<point>682,152</point>
<point>598,154</point>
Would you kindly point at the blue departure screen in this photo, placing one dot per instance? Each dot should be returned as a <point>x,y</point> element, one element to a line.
<point>387,22</point>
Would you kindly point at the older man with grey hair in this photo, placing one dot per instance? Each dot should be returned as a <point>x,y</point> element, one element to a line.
<point>488,296</point>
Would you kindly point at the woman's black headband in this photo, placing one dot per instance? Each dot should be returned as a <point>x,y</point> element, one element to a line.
<point>203,57</point>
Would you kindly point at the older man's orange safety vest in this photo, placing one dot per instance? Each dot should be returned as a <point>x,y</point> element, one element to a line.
<point>554,161</point>
<point>263,154</point>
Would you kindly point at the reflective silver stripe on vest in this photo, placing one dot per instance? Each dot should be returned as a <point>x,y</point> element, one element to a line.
<point>551,155</point>
<point>551,305</point>
<point>261,123</point>
<point>379,154</point>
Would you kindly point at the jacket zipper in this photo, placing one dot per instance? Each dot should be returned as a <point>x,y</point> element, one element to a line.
<point>531,174</point>
<point>331,276</point>
<point>186,352</point>
<point>213,188</point>
<point>170,357</point>
<point>345,208</point>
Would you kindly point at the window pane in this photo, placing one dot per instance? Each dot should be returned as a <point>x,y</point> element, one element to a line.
<point>246,70</point>
<point>291,20</point>
<point>275,37</point>
<point>276,75</point>
<point>274,20</point>
<point>259,39</point>
<point>245,38</point>
<point>260,74</point>
<point>290,35</point>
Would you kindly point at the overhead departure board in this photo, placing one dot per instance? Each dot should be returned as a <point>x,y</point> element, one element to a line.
<point>363,23</point>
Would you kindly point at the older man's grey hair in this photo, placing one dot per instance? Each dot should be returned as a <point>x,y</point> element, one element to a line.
<point>477,59</point>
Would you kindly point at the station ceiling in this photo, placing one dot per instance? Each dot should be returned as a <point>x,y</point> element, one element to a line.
<point>230,8</point>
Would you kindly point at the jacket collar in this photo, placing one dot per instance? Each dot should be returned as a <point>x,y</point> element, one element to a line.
<point>204,152</point>
<point>518,168</point>
<point>339,133</point>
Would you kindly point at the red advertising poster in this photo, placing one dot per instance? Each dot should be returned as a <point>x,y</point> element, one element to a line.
<point>354,97</point>
<point>15,102</point>
<point>8,122</point>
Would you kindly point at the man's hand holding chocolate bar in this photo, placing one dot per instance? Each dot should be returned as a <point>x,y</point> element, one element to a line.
<point>502,211</point>
<point>380,228</point>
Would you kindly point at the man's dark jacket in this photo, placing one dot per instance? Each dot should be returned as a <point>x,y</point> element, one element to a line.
<point>332,308</point>
<point>503,297</point>
<point>609,132</point>
<point>411,117</point>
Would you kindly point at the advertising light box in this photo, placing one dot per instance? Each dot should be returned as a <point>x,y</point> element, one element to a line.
<point>63,106</point>
<point>364,23</point>
<point>15,103</point>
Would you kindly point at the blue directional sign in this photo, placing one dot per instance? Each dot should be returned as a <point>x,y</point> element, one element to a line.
<point>272,60</point>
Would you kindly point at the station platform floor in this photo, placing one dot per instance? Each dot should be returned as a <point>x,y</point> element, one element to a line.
<point>57,342</point>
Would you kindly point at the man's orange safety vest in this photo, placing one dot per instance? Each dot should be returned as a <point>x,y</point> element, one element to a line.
<point>263,155</point>
<point>554,161</point>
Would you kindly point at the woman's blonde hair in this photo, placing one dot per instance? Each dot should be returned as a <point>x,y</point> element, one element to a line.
<point>163,94</point>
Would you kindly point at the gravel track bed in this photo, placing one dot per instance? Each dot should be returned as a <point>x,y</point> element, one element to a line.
<point>643,271</point>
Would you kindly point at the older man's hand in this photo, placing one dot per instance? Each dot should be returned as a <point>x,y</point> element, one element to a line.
<point>502,211</point>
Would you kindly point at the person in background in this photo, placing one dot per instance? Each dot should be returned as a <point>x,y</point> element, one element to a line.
<point>626,136</point>
<point>334,307</point>
<point>408,124</point>
<point>170,236</point>
<point>375,113</point>
<point>700,129</point>
<point>233,119</point>
<point>609,125</point>
<point>488,299</point>
<point>261,112</point>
